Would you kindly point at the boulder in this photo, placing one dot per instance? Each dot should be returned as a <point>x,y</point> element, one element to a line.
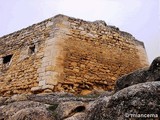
<point>140,100</point>
<point>140,76</point>
<point>38,113</point>
<point>53,106</point>
<point>71,111</point>
<point>24,110</point>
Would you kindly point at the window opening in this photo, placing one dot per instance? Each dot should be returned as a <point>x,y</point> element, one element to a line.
<point>7,59</point>
<point>31,49</point>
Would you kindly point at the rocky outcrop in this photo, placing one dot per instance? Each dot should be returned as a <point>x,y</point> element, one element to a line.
<point>71,110</point>
<point>137,101</point>
<point>140,76</point>
<point>140,100</point>
<point>56,106</point>
<point>25,110</point>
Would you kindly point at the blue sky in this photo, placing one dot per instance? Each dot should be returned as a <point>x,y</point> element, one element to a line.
<point>141,18</point>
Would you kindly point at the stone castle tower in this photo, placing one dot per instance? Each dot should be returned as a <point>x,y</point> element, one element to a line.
<point>67,54</point>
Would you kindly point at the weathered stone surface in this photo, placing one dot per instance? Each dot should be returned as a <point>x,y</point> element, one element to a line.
<point>77,116</point>
<point>143,75</point>
<point>38,113</point>
<point>55,106</point>
<point>141,98</point>
<point>71,110</point>
<point>21,109</point>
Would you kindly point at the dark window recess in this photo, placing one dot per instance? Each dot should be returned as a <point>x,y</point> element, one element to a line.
<point>7,59</point>
<point>31,50</point>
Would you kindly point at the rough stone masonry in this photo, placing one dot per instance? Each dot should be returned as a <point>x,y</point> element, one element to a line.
<point>67,54</point>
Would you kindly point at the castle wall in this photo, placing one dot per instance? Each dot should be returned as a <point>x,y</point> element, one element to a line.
<point>26,46</point>
<point>67,54</point>
<point>96,55</point>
